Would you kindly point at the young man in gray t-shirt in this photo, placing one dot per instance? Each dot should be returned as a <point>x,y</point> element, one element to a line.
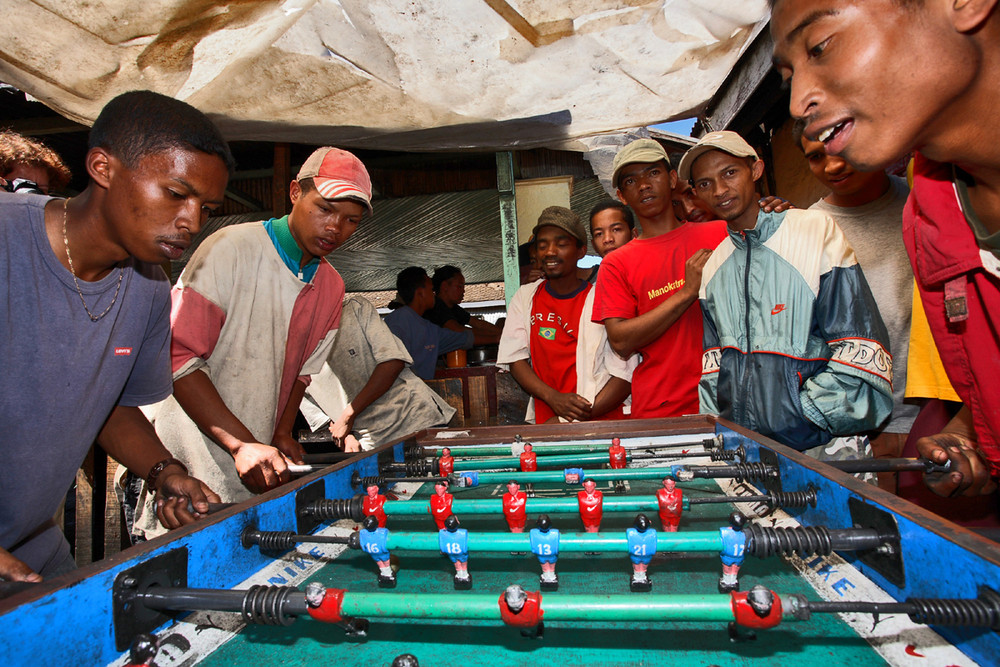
<point>868,207</point>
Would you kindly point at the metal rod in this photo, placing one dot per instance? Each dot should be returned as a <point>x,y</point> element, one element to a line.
<point>681,440</point>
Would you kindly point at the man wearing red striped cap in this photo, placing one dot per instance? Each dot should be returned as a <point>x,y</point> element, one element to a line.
<point>254,314</point>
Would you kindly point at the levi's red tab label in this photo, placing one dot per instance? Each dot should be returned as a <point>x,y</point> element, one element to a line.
<point>123,351</point>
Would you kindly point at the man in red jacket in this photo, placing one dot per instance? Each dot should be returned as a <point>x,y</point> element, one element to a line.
<point>871,97</point>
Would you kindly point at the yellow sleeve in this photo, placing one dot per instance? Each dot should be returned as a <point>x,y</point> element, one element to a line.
<point>925,376</point>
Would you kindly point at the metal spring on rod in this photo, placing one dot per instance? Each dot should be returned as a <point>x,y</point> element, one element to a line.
<point>377,480</point>
<point>976,613</point>
<point>331,510</point>
<point>752,472</point>
<point>411,452</point>
<point>723,454</point>
<point>282,540</point>
<point>801,540</point>
<point>265,605</point>
<point>792,499</point>
<point>421,468</point>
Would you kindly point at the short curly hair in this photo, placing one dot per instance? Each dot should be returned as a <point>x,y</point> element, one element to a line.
<point>16,149</point>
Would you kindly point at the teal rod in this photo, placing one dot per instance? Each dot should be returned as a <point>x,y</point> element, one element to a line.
<point>676,442</point>
<point>463,506</point>
<point>687,541</point>
<point>485,606</point>
<point>556,476</point>
<point>514,463</point>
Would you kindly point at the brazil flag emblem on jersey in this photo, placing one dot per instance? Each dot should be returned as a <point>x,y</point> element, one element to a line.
<point>548,333</point>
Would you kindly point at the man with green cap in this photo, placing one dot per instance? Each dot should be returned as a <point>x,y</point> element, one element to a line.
<point>549,343</point>
<point>647,291</point>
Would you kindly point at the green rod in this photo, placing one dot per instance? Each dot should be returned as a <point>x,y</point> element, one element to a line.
<point>676,441</point>
<point>541,476</point>
<point>485,606</point>
<point>514,463</point>
<point>687,541</point>
<point>463,506</point>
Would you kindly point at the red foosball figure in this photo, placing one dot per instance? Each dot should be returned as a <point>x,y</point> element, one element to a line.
<point>514,507</point>
<point>441,504</point>
<point>591,502</point>
<point>616,454</point>
<point>446,464</point>
<point>671,502</point>
<point>372,505</point>
<point>529,459</point>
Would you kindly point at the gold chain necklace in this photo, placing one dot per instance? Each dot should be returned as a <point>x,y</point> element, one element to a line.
<point>121,272</point>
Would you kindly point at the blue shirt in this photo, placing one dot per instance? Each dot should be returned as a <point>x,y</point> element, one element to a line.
<point>63,374</point>
<point>425,341</point>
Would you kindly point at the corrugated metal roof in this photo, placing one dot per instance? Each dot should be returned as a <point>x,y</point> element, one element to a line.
<point>459,228</point>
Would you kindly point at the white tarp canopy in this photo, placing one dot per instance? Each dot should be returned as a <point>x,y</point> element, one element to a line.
<point>388,74</point>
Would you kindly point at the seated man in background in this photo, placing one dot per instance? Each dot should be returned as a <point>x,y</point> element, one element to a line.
<point>366,386</point>
<point>449,290</point>
<point>24,162</point>
<point>795,348</point>
<point>868,208</point>
<point>425,341</point>
<point>549,343</point>
<point>612,225</point>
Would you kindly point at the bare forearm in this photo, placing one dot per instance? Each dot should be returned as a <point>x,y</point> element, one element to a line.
<point>380,381</point>
<point>611,395</point>
<point>480,325</point>
<point>202,402</point>
<point>629,335</point>
<point>130,439</point>
<point>529,380</point>
<point>286,423</point>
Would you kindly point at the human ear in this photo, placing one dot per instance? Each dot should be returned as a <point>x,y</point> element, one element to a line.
<point>970,15</point>
<point>294,191</point>
<point>618,193</point>
<point>757,169</point>
<point>673,179</point>
<point>99,167</point>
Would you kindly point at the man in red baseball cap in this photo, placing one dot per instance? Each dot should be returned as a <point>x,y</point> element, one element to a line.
<point>254,313</point>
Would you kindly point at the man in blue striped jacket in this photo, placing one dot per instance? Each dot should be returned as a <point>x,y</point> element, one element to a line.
<point>795,348</point>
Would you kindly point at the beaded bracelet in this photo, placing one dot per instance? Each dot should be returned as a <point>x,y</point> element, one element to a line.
<point>155,471</point>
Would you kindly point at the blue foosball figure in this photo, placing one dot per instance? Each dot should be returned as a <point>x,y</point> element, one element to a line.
<point>733,546</point>
<point>544,541</point>
<point>641,549</point>
<point>374,542</point>
<point>454,543</point>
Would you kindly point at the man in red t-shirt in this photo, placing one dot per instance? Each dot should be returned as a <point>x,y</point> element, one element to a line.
<point>551,346</point>
<point>647,290</point>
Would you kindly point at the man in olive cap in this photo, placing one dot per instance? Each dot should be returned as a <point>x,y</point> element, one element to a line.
<point>795,348</point>
<point>647,291</point>
<point>549,343</point>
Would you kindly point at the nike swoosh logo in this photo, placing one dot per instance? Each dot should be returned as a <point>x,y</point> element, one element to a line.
<point>777,308</point>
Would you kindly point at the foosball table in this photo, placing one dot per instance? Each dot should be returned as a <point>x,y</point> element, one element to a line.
<point>626,543</point>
